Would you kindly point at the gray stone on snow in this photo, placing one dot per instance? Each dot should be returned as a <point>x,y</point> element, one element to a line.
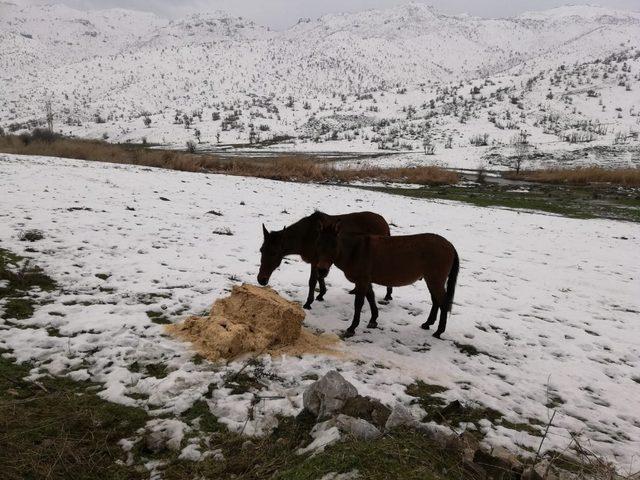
<point>328,395</point>
<point>400,417</point>
<point>357,427</point>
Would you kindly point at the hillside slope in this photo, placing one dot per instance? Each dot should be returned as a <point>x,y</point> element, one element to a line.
<point>374,75</point>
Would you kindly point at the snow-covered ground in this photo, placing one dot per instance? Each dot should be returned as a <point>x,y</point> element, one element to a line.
<point>550,303</point>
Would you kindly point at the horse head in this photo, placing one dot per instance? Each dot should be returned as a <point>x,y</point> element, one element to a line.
<point>272,252</point>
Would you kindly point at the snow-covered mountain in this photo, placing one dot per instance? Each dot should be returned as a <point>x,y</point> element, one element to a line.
<point>105,70</point>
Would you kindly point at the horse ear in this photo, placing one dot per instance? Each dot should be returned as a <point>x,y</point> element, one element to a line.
<point>265,232</point>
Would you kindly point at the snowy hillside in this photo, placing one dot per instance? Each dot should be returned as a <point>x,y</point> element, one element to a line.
<point>399,79</point>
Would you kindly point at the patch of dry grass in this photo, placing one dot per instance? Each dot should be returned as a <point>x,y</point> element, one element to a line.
<point>628,177</point>
<point>297,168</point>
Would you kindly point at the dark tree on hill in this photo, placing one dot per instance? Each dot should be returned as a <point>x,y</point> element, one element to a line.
<point>147,121</point>
<point>521,145</point>
<point>49,115</point>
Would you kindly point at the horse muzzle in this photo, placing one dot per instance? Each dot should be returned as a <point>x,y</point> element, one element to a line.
<point>263,280</point>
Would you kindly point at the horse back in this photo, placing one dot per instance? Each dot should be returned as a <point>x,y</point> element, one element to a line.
<point>363,223</point>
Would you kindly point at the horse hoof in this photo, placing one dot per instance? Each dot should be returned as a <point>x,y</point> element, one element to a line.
<point>425,326</point>
<point>388,299</point>
<point>307,306</point>
<point>372,325</point>
<point>348,333</point>
<point>383,302</point>
<point>437,335</point>
<point>319,298</point>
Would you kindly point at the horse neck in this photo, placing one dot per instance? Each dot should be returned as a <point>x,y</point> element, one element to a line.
<point>293,238</point>
<point>298,239</point>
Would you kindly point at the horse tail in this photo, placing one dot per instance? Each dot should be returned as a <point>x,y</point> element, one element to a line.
<point>451,282</point>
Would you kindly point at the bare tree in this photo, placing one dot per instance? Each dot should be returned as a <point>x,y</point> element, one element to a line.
<point>521,145</point>
<point>49,115</point>
<point>429,147</point>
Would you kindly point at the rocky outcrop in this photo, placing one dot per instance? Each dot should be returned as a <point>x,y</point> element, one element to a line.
<point>335,403</point>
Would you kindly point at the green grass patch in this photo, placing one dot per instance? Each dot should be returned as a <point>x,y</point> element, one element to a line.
<point>206,420</point>
<point>61,430</point>
<point>21,281</point>
<point>158,317</point>
<point>454,413</point>
<point>570,201</point>
<point>426,396</point>
<point>401,454</point>
<point>18,308</point>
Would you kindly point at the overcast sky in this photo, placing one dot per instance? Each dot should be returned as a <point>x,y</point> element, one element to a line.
<point>280,14</point>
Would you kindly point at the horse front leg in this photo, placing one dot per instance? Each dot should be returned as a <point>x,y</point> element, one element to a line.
<point>361,291</point>
<point>313,279</point>
<point>323,289</point>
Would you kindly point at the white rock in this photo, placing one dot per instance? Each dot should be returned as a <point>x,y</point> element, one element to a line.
<point>357,427</point>
<point>400,417</point>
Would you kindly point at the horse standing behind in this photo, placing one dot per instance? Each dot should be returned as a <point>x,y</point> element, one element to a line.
<point>301,238</point>
<point>393,262</point>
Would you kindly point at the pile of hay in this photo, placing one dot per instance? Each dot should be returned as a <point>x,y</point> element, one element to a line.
<point>252,320</point>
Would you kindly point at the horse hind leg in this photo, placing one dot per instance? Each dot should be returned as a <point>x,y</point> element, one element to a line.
<point>433,314</point>
<point>388,296</point>
<point>438,297</point>
<point>361,291</point>
<point>442,324</point>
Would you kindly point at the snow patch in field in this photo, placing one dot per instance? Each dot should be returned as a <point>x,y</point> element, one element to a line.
<point>545,316</point>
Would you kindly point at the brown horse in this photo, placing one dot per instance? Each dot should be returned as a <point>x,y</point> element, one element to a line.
<point>392,262</point>
<point>301,239</point>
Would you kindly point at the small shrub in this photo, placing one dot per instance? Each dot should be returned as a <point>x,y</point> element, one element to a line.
<point>480,140</point>
<point>223,231</point>
<point>31,235</point>
<point>43,135</point>
<point>191,146</point>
